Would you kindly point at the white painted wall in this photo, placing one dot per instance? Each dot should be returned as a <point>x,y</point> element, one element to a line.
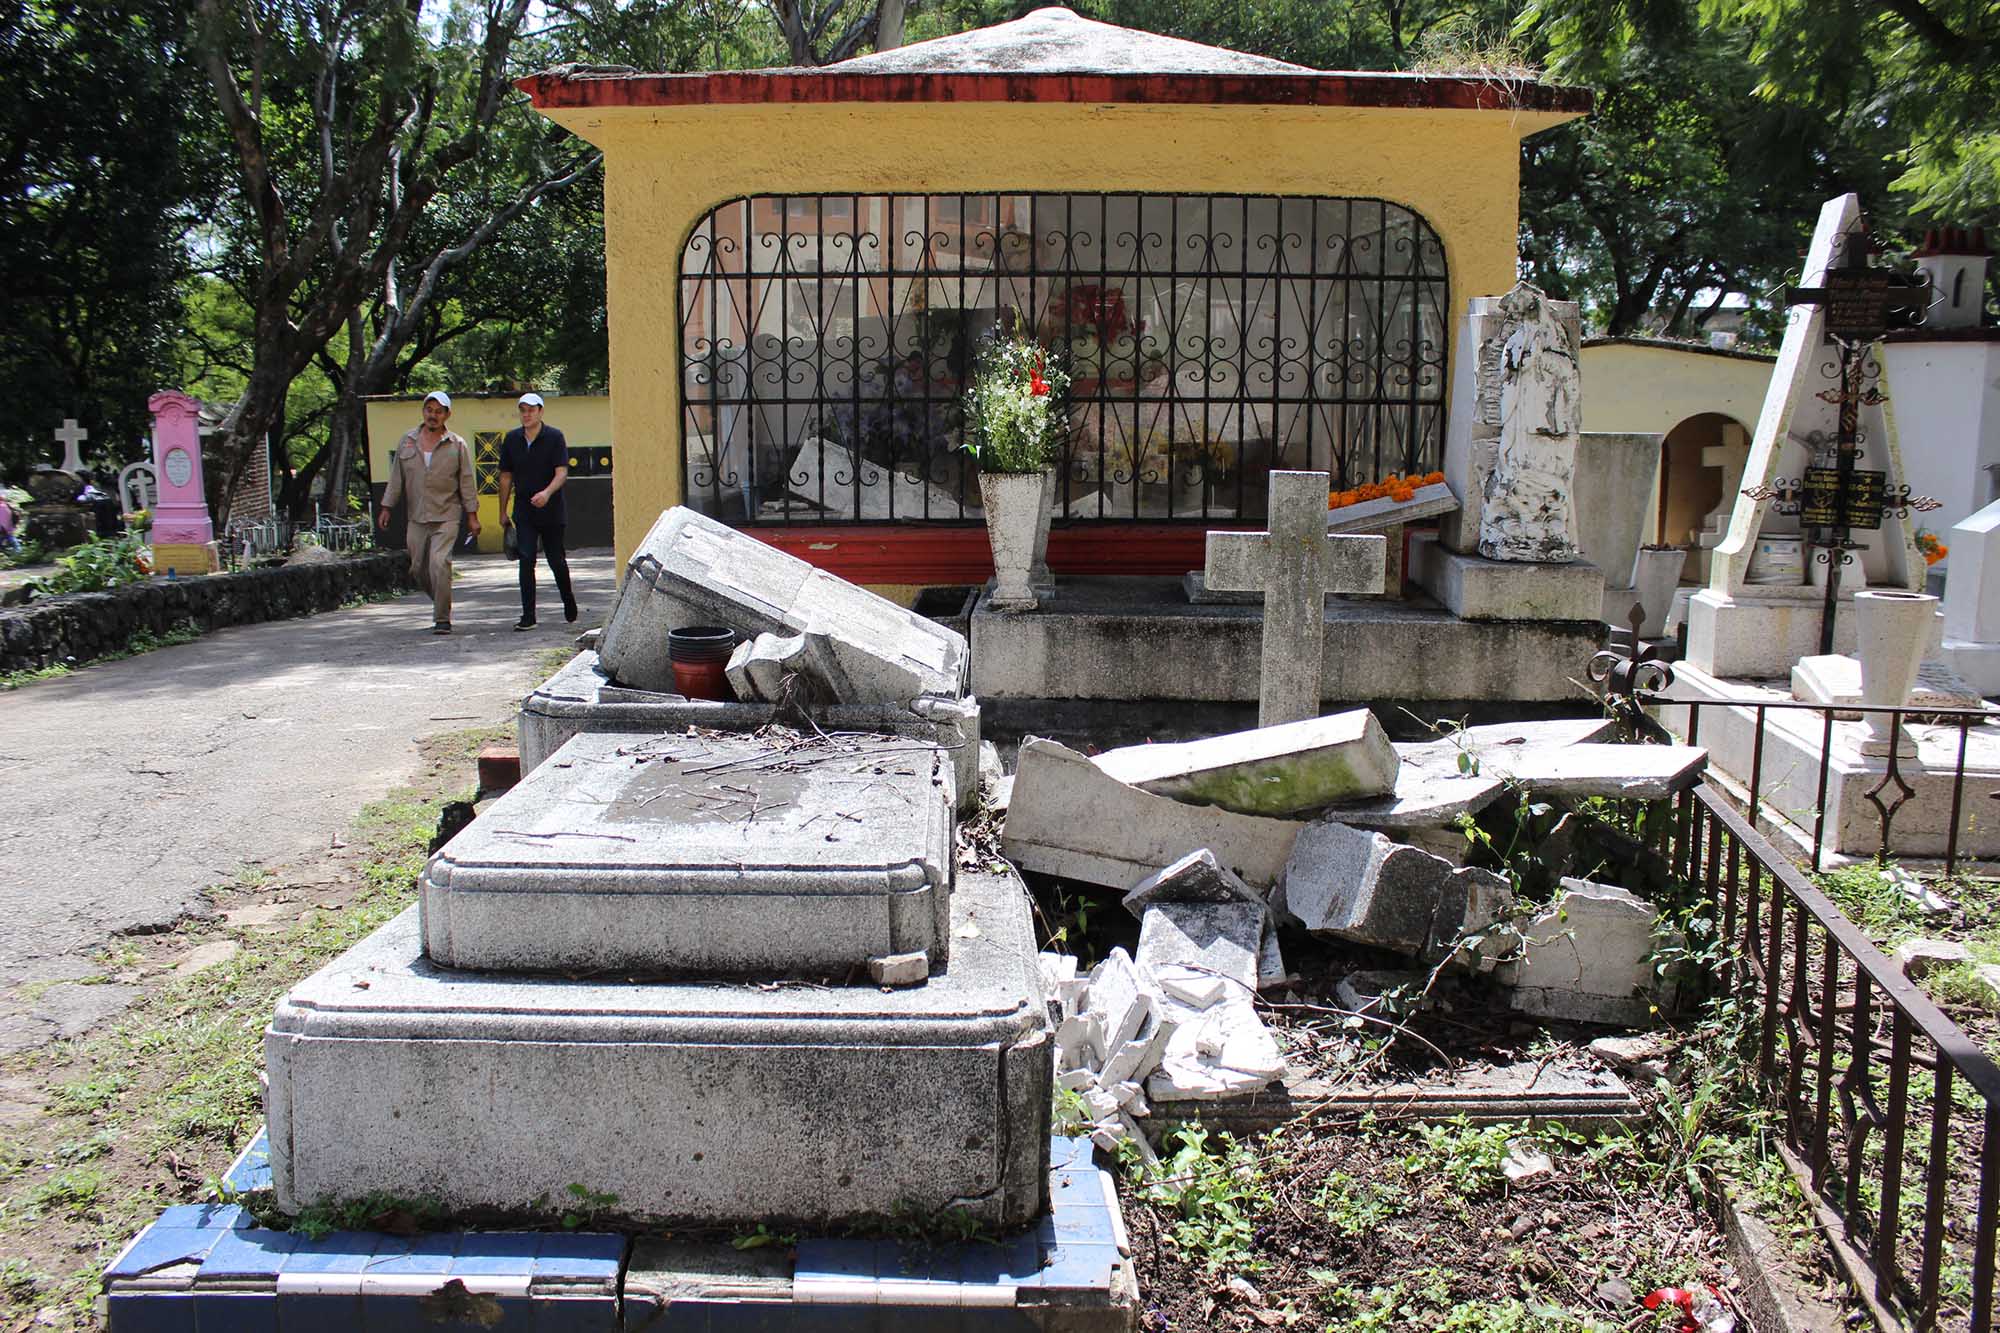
<point>1946,398</point>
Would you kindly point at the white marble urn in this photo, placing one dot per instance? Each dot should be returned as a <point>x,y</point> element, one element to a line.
<point>1892,630</point>
<point>1015,503</point>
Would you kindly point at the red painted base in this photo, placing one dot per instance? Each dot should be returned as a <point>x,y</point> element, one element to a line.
<point>929,554</point>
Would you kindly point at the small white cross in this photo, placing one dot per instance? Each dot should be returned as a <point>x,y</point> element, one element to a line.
<point>70,436</point>
<point>1295,565</point>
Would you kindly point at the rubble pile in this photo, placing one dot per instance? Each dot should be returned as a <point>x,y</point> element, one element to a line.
<point>1328,825</point>
<point>1176,1023</point>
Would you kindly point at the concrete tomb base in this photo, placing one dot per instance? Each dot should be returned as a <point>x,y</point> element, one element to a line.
<point>582,699</point>
<point>1761,632</point>
<point>1140,639</point>
<point>1788,780</point>
<point>700,1103</point>
<point>737,855</point>
<point>1472,587</point>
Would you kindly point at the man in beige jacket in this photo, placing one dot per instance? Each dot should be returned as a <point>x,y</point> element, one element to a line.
<point>433,472</point>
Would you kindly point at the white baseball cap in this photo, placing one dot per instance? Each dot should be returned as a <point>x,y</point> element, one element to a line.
<point>529,400</point>
<point>443,398</point>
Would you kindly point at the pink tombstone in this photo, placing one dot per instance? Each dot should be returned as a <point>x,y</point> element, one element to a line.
<point>180,515</point>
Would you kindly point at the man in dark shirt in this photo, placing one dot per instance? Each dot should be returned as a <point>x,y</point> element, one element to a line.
<point>534,464</point>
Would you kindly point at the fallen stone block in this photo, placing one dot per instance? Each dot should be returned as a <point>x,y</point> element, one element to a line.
<point>1139,1056</point>
<point>1221,939</point>
<point>1196,878</point>
<point>759,668</point>
<point>1617,772</point>
<point>1058,973</point>
<point>1192,986</point>
<point>1069,817</point>
<point>1076,1080</point>
<point>1365,888</point>
<point>1222,1051</point>
<point>1271,969</point>
<point>1280,770</point>
<point>692,570</point>
<point>900,969</point>
<point>1919,958</point>
<point>1589,958</point>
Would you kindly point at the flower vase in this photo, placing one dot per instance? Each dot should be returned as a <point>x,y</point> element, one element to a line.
<point>1013,518</point>
<point>1892,631</point>
<point>1039,576</point>
<point>1656,572</point>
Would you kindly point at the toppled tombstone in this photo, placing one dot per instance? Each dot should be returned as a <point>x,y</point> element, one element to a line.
<point>690,569</point>
<point>1223,1050</point>
<point>1196,878</point>
<point>1280,770</point>
<point>1068,817</point>
<point>1199,879</point>
<point>1361,886</point>
<point>1588,958</point>
<point>1220,940</point>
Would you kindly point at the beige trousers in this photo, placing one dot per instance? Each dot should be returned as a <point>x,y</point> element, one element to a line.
<point>430,562</point>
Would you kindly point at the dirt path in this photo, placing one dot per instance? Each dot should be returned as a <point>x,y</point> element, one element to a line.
<point>129,788</point>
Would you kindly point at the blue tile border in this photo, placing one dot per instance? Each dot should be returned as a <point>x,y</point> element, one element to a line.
<point>209,1268</point>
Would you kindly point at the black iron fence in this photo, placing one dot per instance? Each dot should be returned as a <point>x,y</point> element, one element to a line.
<point>1889,1111</point>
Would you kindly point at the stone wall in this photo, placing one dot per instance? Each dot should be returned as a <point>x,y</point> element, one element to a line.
<point>88,625</point>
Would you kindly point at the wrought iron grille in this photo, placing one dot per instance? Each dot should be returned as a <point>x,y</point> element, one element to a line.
<point>825,340</point>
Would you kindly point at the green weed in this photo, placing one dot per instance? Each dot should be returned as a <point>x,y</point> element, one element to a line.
<point>1211,1188</point>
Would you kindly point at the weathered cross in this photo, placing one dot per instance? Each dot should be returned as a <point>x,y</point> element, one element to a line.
<point>1295,565</point>
<point>70,436</point>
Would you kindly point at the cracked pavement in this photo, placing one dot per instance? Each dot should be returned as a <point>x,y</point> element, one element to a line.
<point>131,786</point>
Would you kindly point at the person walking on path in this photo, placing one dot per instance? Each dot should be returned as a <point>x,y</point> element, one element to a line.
<point>433,473</point>
<point>534,464</point>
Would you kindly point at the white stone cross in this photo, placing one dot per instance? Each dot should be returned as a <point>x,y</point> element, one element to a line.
<point>70,436</point>
<point>1295,565</point>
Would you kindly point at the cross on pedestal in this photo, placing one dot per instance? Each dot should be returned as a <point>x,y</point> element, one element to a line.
<point>1295,565</point>
<point>70,436</point>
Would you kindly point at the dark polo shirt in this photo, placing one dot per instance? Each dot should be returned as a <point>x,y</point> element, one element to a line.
<point>533,467</point>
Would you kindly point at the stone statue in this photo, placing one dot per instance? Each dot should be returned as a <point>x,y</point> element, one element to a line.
<point>1527,498</point>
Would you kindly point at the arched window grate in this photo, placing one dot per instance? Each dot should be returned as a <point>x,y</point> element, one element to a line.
<point>825,340</point>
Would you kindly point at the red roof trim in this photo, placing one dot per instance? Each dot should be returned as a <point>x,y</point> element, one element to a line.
<point>557,91</point>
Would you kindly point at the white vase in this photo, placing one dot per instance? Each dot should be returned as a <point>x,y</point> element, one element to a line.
<point>1891,630</point>
<point>1656,572</point>
<point>1039,576</point>
<point>1013,517</point>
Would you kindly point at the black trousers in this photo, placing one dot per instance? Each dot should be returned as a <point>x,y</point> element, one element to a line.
<point>549,539</point>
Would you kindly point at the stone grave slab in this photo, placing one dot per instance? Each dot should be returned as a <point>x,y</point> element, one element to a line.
<point>1278,770</point>
<point>1434,789</point>
<point>1532,1090</point>
<point>1069,817</point>
<point>1620,772</point>
<point>581,699</point>
<point>702,1103</point>
<point>1835,678</point>
<point>692,570</point>
<point>769,854</point>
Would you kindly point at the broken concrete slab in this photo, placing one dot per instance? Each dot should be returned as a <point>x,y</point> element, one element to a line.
<point>1363,887</point>
<point>1589,958</point>
<point>1220,939</point>
<point>1118,1001</point>
<point>1919,958</point>
<point>1221,1051</point>
<point>692,570</point>
<point>1196,878</point>
<point>1069,817</point>
<point>1618,772</point>
<point>1278,770</point>
<point>759,668</point>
